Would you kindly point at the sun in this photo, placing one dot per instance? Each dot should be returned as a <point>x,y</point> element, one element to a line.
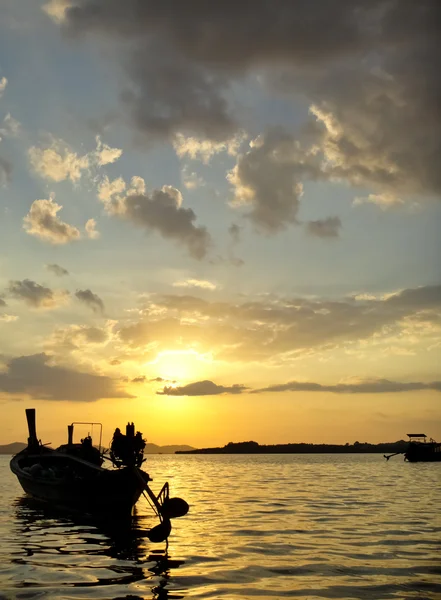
<point>180,365</point>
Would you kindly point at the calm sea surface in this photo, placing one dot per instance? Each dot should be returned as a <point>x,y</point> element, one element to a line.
<point>317,526</point>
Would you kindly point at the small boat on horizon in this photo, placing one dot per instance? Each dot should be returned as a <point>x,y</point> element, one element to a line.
<point>72,477</point>
<point>420,450</point>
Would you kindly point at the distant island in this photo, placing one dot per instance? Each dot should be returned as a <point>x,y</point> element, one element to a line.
<point>12,448</point>
<point>255,448</point>
<point>15,447</point>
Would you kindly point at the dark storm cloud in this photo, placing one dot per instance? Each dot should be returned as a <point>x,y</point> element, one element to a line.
<point>371,386</point>
<point>93,301</point>
<point>201,388</point>
<point>324,228</point>
<point>368,68</point>
<point>35,376</point>
<point>36,295</point>
<point>5,170</point>
<point>231,34</point>
<point>184,56</point>
<point>57,270</point>
<point>161,211</point>
<point>268,179</point>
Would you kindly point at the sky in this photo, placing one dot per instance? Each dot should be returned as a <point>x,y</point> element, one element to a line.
<point>221,224</point>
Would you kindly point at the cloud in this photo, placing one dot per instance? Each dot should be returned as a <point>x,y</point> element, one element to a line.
<point>384,201</point>
<point>93,301</point>
<point>268,180</point>
<point>283,329</point>
<point>35,376</point>
<point>205,149</point>
<point>36,295</point>
<point>56,9</point>
<point>10,127</point>
<point>369,386</point>
<point>191,180</point>
<point>2,302</point>
<point>5,170</point>
<point>42,221</point>
<point>160,211</point>
<point>109,192</point>
<point>198,283</point>
<point>201,388</point>
<point>77,337</point>
<point>234,230</point>
<point>91,230</point>
<point>140,379</point>
<point>324,228</point>
<point>104,154</point>
<point>8,318</point>
<point>58,162</point>
<point>371,79</point>
<point>57,270</point>
<point>3,84</point>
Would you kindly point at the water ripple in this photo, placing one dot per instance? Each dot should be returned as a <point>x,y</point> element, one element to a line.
<point>313,527</point>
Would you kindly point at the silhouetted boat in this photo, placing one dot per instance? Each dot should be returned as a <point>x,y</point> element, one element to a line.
<point>72,477</point>
<point>420,450</point>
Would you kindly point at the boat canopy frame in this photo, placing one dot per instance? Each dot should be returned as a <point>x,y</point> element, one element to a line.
<point>90,423</point>
<point>416,436</point>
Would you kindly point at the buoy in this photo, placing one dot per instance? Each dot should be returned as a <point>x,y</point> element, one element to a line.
<point>160,533</point>
<point>174,507</point>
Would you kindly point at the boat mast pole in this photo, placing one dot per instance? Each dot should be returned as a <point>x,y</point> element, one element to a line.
<point>30,417</point>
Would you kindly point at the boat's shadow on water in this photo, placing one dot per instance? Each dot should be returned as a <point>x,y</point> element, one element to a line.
<point>51,538</point>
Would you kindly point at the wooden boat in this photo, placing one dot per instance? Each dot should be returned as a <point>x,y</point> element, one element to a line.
<point>72,477</point>
<point>420,450</point>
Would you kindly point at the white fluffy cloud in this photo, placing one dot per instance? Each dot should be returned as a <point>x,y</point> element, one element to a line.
<point>91,230</point>
<point>204,149</point>
<point>58,162</point>
<point>104,154</point>
<point>196,283</point>
<point>43,222</point>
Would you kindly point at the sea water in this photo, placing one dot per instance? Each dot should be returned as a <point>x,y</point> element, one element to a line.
<point>263,526</point>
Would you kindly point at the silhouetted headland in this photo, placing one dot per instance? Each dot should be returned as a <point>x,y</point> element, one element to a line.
<point>302,448</point>
<point>150,448</point>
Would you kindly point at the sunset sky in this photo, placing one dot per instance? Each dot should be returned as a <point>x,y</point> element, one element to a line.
<point>221,220</point>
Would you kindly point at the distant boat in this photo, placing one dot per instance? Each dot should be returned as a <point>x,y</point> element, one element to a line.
<point>72,477</point>
<point>420,450</point>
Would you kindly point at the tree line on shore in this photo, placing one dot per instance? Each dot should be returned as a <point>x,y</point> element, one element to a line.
<point>302,448</point>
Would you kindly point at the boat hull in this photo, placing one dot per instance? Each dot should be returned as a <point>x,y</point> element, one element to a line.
<point>423,457</point>
<point>85,488</point>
